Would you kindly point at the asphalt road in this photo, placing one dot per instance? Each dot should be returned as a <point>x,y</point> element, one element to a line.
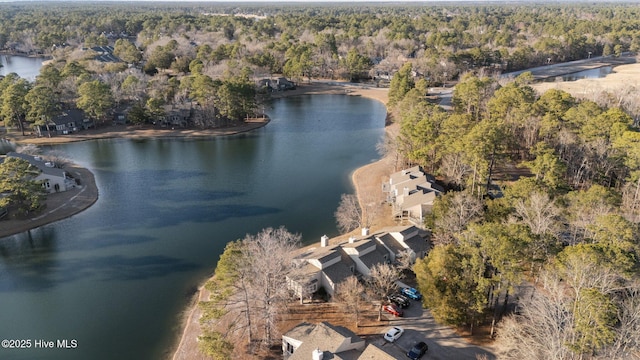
<point>419,325</point>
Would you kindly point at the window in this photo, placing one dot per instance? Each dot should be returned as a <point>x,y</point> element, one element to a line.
<point>289,348</point>
<point>352,268</point>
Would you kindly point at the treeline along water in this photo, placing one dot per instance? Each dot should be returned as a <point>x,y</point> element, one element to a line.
<point>116,276</point>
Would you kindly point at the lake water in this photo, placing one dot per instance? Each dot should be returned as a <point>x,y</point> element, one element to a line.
<point>26,67</point>
<point>116,276</point>
<point>584,74</point>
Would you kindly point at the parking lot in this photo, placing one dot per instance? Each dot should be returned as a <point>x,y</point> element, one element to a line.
<point>419,325</point>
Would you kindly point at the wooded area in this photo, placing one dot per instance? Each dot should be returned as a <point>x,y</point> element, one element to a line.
<point>564,225</point>
<point>211,55</point>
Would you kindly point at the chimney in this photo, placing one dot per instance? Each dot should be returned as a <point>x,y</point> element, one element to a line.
<point>365,231</point>
<point>352,239</point>
<point>317,354</point>
<point>324,241</point>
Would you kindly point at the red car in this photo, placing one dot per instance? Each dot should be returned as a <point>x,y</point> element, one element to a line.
<point>392,309</point>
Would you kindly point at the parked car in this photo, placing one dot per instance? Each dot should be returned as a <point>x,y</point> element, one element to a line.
<point>393,310</point>
<point>393,334</point>
<point>412,293</point>
<point>418,350</point>
<point>400,301</point>
<point>404,297</point>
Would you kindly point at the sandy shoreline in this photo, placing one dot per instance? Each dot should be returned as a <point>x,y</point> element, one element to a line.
<point>64,205</point>
<point>364,178</point>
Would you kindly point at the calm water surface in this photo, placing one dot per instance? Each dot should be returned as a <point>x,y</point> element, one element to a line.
<point>116,276</point>
<point>26,67</point>
<point>584,74</point>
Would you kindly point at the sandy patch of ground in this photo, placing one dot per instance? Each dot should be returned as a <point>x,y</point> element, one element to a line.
<point>622,77</point>
<point>136,132</point>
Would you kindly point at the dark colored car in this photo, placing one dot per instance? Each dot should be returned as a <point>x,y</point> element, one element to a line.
<point>399,300</point>
<point>393,310</point>
<point>418,350</point>
<point>404,297</point>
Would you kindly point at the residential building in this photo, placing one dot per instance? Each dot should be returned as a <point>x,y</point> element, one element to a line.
<point>105,54</point>
<point>325,341</point>
<point>373,352</point>
<point>411,192</point>
<point>69,121</point>
<point>321,341</point>
<point>53,179</point>
<point>328,265</point>
<point>176,116</point>
<point>120,115</point>
<point>279,84</point>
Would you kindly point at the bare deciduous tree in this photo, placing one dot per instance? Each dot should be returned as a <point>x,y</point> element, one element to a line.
<point>389,146</point>
<point>349,214</point>
<point>29,149</point>
<point>631,201</point>
<point>542,329</point>
<point>547,325</point>
<point>454,168</point>
<point>462,209</point>
<point>349,293</point>
<point>404,260</point>
<point>59,158</point>
<point>381,283</point>
<point>269,256</point>
<point>539,213</point>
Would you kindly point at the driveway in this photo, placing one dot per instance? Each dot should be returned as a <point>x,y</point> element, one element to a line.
<point>443,342</point>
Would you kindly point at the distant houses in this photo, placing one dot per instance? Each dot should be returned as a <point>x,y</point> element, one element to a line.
<point>105,54</point>
<point>176,116</point>
<point>279,84</point>
<point>328,265</point>
<point>68,122</point>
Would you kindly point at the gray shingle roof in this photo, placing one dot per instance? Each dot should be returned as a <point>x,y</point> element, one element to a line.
<point>67,116</point>
<point>360,244</point>
<point>338,272</point>
<point>40,165</point>
<point>323,336</point>
<point>417,244</point>
<point>375,257</point>
<point>390,242</point>
<point>418,198</point>
<point>373,352</point>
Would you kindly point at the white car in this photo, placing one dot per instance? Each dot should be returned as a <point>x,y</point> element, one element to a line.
<point>394,334</point>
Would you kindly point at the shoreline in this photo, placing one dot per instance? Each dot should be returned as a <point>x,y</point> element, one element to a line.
<point>138,132</point>
<point>62,205</point>
<point>185,345</point>
<point>59,206</point>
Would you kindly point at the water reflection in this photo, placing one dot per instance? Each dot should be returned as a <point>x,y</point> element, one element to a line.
<point>585,74</point>
<point>166,210</point>
<point>26,67</point>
